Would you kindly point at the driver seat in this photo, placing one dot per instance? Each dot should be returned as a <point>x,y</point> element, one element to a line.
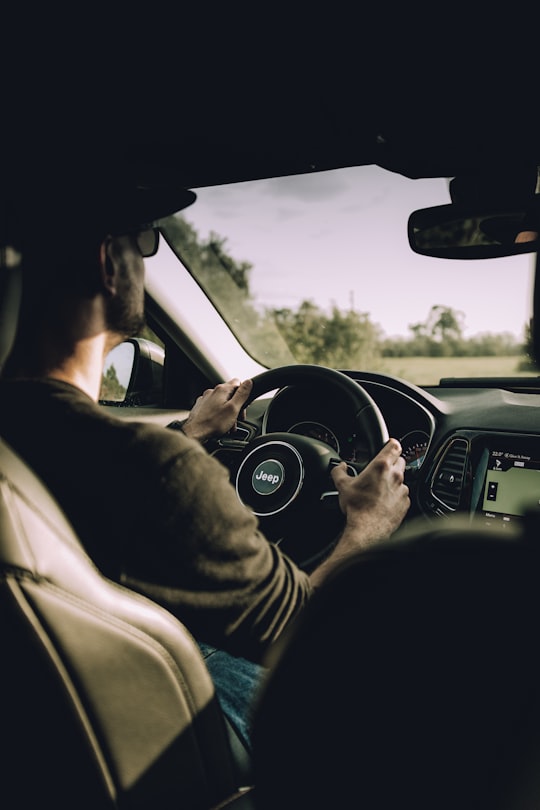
<point>106,700</point>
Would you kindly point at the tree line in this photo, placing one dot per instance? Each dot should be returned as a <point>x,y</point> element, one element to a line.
<point>310,334</point>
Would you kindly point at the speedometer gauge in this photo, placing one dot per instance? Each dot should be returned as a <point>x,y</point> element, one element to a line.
<point>316,431</point>
<point>414,447</point>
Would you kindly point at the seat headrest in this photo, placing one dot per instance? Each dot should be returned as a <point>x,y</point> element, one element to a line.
<point>410,680</point>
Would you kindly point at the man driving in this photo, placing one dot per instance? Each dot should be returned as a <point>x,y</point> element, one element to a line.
<point>152,508</point>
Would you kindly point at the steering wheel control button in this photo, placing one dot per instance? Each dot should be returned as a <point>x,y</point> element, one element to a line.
<point>267,477</point>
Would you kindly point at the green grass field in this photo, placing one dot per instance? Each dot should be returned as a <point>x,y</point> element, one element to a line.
<point>429,370</point>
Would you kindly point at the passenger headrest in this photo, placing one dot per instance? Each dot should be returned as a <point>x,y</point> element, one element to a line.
<point>410,680</point>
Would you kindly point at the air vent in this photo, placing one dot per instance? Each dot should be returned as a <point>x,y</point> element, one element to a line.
<point>447,483</point>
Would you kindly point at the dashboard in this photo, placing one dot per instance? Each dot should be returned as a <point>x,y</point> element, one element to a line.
<point>472,450</point>
<point>323,414</point>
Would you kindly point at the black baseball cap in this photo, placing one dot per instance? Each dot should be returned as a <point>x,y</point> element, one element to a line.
<point>76,201</point>
<point>131,207</point>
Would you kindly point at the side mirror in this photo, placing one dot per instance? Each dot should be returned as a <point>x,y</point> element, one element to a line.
<point>133,374</point>
<point>455,231</point>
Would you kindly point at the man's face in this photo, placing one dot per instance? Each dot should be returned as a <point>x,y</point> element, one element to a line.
<point>125,309</point>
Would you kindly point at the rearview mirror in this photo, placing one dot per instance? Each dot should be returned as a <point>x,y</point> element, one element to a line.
<point>457,232</point>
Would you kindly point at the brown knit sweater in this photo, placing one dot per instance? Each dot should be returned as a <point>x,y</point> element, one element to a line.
<point>156,512</point>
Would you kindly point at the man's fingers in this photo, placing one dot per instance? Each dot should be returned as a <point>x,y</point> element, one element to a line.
<point>242,392</point>
<point>390,454</point>
<point>339,472</point>
<point>392,449</point>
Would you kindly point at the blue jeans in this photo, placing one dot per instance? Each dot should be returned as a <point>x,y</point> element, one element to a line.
<point>235,680</point>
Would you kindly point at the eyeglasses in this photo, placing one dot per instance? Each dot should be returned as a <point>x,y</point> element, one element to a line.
<point>147,241</point>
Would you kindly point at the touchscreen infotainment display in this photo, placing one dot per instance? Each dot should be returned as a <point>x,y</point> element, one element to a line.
<point>511,485</point>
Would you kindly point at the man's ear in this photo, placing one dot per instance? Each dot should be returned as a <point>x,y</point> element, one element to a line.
<point>106,264</point>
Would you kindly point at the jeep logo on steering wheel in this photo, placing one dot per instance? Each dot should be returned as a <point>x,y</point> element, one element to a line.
<point>267,477</point>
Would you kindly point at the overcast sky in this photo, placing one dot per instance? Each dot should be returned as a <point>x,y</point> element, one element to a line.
<point>298,231</point>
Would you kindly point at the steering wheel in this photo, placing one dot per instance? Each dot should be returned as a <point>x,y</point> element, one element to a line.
<point>284,478</point>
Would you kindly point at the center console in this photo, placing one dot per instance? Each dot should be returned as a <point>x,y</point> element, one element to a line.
<point>494,476</point>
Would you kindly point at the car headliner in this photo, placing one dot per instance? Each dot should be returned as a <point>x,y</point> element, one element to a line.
<point>219,100</point>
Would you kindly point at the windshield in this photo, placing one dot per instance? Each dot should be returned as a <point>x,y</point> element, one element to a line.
<point>317,269</point>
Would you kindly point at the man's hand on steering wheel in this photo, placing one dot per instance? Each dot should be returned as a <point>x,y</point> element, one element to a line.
<point>376,501</point>
<point>288,479</point>
<point>215,412</point>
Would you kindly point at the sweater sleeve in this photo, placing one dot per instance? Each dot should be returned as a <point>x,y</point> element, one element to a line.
<point>210,565</point>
